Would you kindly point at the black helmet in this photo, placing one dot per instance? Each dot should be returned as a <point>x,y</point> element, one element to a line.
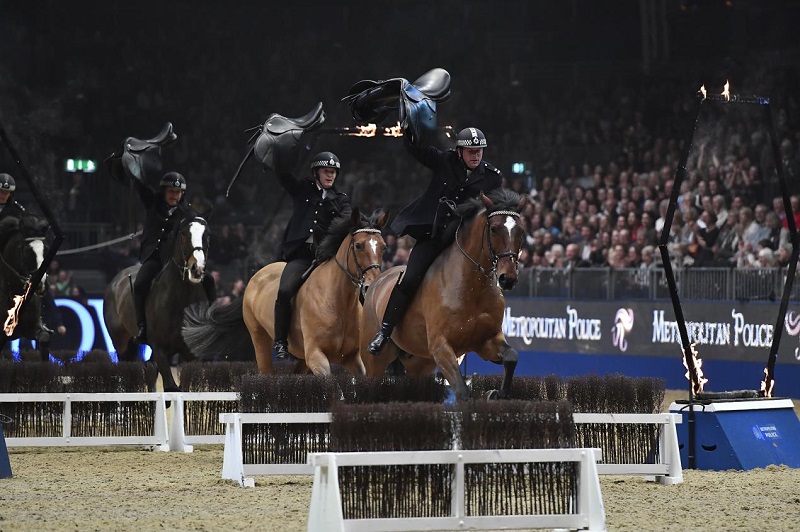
<point>173,180</point>
<point>471,137</point>
<point>7,183</point>
<point>325,159</point>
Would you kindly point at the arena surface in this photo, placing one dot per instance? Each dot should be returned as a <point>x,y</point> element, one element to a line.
<point>120,489</point>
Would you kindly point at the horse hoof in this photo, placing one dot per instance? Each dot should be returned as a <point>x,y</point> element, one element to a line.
<point>491,395</point>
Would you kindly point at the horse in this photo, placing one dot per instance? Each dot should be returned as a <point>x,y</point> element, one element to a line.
<point>176,286</point>
<point>22,254</point>
<point>325,312</point>
<point>459,306</point>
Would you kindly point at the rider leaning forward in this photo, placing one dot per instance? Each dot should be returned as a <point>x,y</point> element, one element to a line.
<point>316,204</point>
<point>164,211</point>
<point>458,174</point>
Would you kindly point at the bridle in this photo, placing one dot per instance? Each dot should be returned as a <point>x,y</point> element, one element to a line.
<point>493,256</point>
<point>358,282</point>
<point>184,268</point>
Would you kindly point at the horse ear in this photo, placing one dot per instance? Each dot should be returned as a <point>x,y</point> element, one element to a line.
<point>355,217</point>
<point>487,202</point>
<point>523,201</point>
<point>382,218</point>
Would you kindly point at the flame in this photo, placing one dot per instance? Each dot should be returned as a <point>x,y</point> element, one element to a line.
<point>726,90</point>
<point>699,381</point>
<point>365,131</point>
<point>766,389</point>
<point>393,131</point>
<point>13,313</point>
<point>703,91</point>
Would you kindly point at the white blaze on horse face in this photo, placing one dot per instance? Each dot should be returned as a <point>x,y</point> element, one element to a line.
<point>510,223</point>
<point>373,243</point>
<point>197,229</point>
<point>38,249</point>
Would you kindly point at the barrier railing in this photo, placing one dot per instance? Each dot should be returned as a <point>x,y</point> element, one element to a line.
<point>326,510</point>
<point>666,468</point>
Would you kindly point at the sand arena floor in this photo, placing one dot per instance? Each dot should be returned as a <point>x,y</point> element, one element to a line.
<point>121,489</point>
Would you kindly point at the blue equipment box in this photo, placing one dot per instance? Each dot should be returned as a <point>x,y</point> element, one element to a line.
<point>742,434</point>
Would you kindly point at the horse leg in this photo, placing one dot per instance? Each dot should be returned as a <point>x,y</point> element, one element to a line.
<point>375,365</point>
<point>498,351</point>
<point>317,362</point>
<point>417,366</point>
<point>262,343</point>
<point>446,359</point>
<point>165,370</point>
<point>352,363</point>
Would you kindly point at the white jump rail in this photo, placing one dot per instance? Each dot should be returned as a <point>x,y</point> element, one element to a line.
<point>668,471</point>
<point>325,511</point>
<point>158,439</point>
<point>178,439</point>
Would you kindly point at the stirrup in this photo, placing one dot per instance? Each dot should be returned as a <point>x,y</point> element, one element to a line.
<point>281,348</point>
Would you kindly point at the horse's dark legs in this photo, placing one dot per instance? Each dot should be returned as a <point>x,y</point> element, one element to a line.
<point>165,370</point>
<point>510,359</point>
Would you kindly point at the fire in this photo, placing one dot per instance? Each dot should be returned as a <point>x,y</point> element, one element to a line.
<point>699,381</point>
<point>13,313</point>
<point>726,90</point>
<point>393,131</point>
<point>365,131</point>
<point>703,91</point>
<point>766,389</point>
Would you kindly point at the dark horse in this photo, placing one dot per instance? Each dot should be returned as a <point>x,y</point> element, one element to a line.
<point>459,306</point>
<point>176,286</point>
<point>22,253</point>
<point>326,310</point>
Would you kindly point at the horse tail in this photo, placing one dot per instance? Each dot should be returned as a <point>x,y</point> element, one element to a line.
<point>217,332</point>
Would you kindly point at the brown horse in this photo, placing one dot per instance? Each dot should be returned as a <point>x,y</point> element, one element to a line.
<point>178,285</point>
<point>325,314</point>
<point>459,306</point>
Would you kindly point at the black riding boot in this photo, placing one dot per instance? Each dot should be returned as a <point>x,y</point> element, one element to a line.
<point>395,308</point>
<point>139,301</point>
<point>282,318</point>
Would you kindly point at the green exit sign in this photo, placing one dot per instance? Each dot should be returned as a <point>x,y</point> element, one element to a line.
<point>81,165</point>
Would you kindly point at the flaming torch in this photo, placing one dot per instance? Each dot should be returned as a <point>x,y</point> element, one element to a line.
<point>726,91</point>
<point>703,91</point>
<point>695,378</point>
<point>393,131</point>
<point>13,313</point>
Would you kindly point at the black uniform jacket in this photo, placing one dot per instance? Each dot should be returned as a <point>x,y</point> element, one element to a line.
<point>312,215</point>
<point>450,181</point>
<point>161,222</point>
<point>12,208</point>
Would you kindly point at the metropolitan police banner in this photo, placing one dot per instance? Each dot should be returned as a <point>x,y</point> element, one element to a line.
<point>730,330</point>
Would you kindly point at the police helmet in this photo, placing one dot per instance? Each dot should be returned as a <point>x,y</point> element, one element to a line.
<point>173,180</point>
<point>471,137</point>
<point>7,183</point>
<point>325,159</point>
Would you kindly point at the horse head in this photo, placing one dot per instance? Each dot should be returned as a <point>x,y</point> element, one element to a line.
<point>504,234</point>
<point>24,248</point>
<point>191,249</point>
<point>357,245</point>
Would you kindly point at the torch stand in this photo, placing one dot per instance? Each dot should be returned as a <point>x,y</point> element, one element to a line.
<point>739,433</point>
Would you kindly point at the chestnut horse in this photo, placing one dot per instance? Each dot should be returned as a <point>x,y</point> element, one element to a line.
<point>325,313</point>
<point>459,306</point>
<point>326,309</point>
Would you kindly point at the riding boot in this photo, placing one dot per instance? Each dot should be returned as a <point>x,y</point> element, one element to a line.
<point>139,301</point>
<point>395,308</point>
<point>282,318</point>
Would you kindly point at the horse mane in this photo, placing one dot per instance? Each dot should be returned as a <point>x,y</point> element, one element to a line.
<point>503,199</point>
<point>340,228</point>
<point>9,223</point>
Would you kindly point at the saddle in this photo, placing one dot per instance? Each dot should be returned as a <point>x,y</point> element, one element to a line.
<point>276,141</point>
<point>139,158</point>
<point>372,101</point>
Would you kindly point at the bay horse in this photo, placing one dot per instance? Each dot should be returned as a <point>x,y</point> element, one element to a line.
<point>459,306</point>
<point>325,311</point>
<point>21,256</point>
<point>177,285</point>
